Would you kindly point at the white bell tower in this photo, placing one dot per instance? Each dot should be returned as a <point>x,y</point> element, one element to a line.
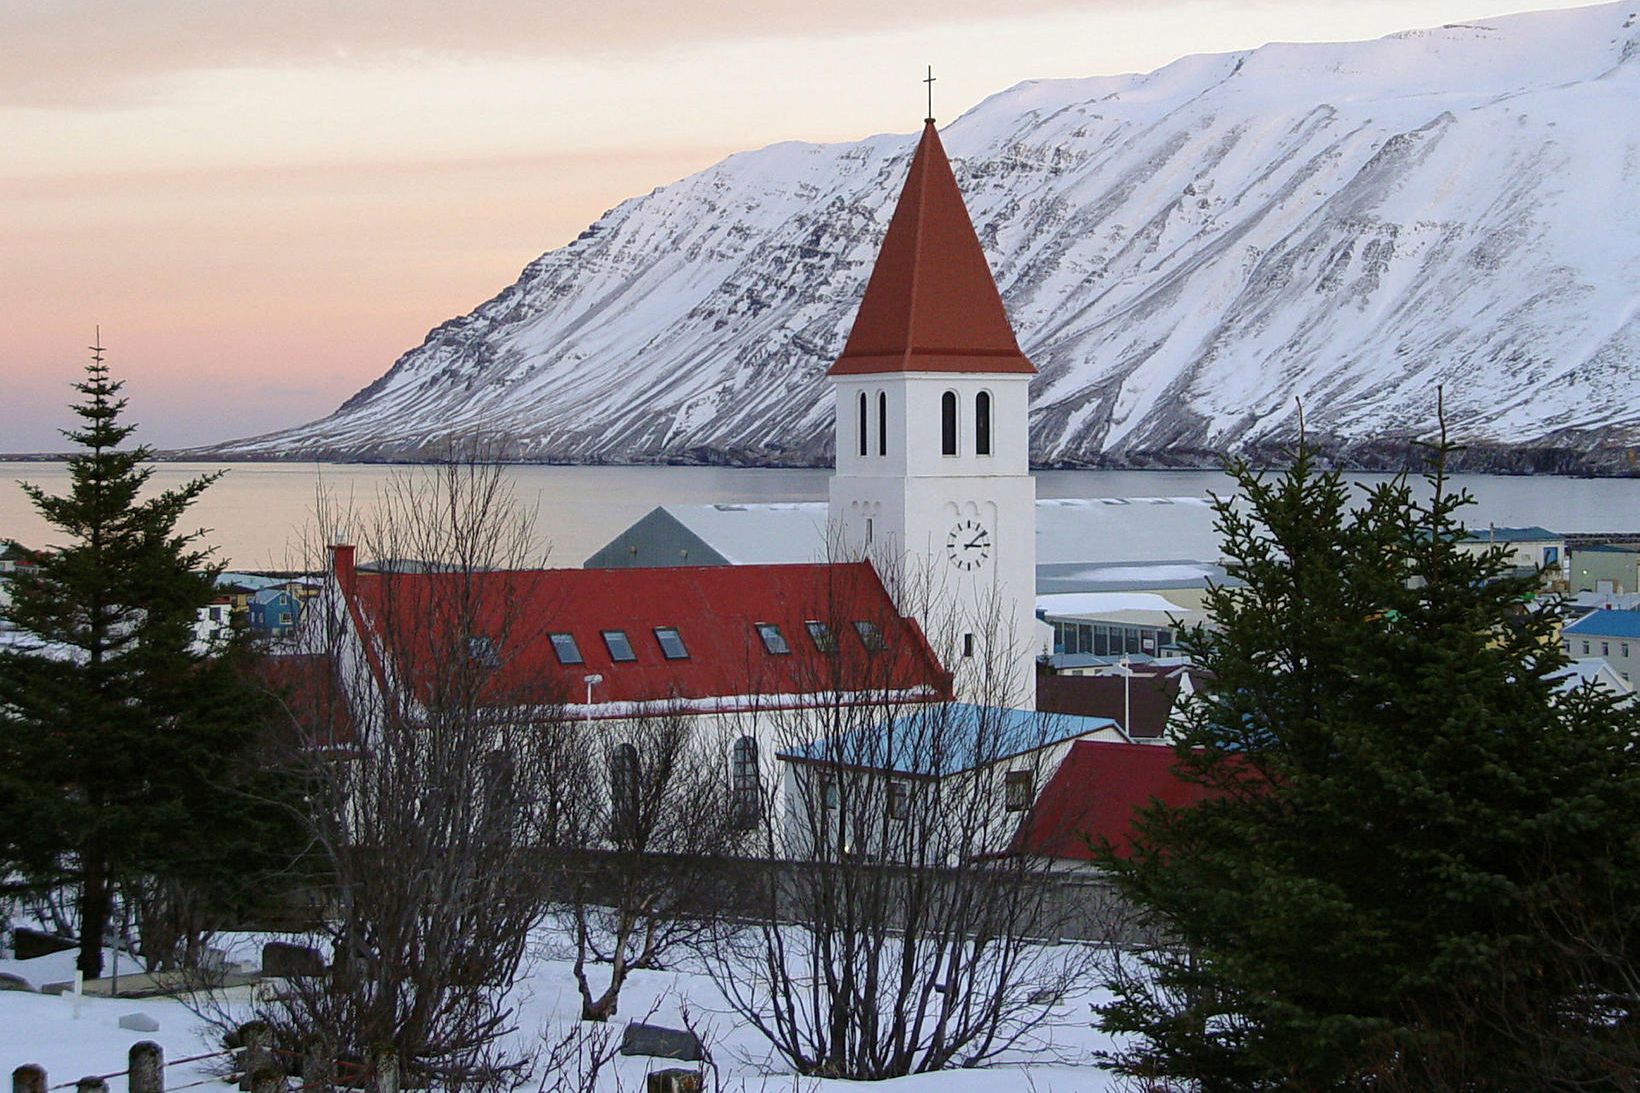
<point>933,480</point>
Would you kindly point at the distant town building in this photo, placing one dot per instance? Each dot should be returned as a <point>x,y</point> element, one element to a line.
<point>1529,549</point>
<point>1607,568</point>
<point>1613,636</point>
<point>274,612</point>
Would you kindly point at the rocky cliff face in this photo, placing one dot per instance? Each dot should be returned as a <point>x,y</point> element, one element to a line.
<point>1186,254</point>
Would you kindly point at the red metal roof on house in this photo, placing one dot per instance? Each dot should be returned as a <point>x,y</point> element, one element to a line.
<point>309,691</point>
<point>931,304</point>
<point>714,609</point>
<point>1146,700</point>
<point>1094,794</point>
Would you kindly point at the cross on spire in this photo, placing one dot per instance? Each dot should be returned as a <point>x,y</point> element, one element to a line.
<point>930,82</point>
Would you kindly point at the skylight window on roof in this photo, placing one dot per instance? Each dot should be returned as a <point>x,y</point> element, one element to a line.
<point>671,643</point>
<point>824,640</point>
<point>564,647</point>
<point>870,636</point>
<point>481,651</point>
<point>774,642</point>
<point>619,647</point>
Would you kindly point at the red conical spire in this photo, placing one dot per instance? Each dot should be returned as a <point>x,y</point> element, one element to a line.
<point>931,304</point>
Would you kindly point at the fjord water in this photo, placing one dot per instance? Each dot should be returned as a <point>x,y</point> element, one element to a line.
<point>257,514</point>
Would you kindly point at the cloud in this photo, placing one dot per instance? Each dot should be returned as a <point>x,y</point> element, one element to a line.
<point>100,53</point>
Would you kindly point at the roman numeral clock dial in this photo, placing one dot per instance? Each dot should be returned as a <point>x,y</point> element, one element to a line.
<point>968,545</point>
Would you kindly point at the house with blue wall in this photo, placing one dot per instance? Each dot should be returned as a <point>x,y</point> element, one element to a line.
<point>273,611</point>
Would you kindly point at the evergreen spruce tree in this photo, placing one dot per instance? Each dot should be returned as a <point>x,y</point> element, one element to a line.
<point>119,737</point>
<point>1420,861</point>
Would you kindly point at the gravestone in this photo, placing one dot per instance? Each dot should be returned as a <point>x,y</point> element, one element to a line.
<point>26,944</point>
<point>283,960</point>
<point>675,1081</point>
<point>139,1022</point>
<point>660,1042</point>
<point>10,982</point>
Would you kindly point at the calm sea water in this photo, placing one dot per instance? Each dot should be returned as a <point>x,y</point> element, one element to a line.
<point>258,512</point>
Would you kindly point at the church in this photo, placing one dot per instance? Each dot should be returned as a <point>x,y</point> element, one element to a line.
<point>926,595</point>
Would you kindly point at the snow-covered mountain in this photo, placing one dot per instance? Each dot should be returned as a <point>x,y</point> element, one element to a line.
<point>1184,253</point>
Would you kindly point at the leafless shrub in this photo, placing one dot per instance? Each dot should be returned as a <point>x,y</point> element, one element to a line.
<point>640,848</point>
<point>431,775</point>
<point>898,926</point>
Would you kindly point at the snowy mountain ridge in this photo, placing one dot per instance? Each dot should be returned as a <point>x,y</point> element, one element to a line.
<point>1184,254</point>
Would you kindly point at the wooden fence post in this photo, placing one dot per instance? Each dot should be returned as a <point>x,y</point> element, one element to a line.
<point>385,1066</point>
<point>146,1063</point>
<point>91,1084</point>
<point>318,1065</point>
<point>28,1079</point>
<point>257,1039</point>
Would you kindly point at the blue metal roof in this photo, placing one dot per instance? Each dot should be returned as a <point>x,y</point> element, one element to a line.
<point>1533,534</point>
<point>965,735</point>
<point>1607,624</point>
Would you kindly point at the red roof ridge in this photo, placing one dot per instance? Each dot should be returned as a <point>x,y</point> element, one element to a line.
<point>932,303</point>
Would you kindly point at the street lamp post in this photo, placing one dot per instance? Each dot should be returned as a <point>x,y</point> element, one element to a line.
<point>589,680</point>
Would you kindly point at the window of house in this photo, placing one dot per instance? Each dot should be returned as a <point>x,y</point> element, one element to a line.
<point>774,642</point>
<point>1016,790</point>
<point>828,792</point>
<point>1585,648</point>
<point>744,781</point>
<point>481,651</point>
<point>671,643</point>
<point>968,645</point>
<point>862,422</point>
<point>982,423</point>
<point>824,639</point>
<point>870,636</point>
<point>565,649</point>
<point>882,423</point>
<point>618,645</point>
<point>899,799</point>
<point>623,793</point>
<point>284,618</point>
<point>948,423</point>
<point>1625,648</point>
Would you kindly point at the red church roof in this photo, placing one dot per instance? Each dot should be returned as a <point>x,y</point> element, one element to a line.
<point>692,634</point>
<point>931,304</point>
<point>1096,791</point>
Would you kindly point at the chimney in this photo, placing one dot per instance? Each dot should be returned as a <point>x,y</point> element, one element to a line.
<point>341,563</point>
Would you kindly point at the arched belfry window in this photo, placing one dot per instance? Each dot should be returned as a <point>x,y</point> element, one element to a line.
<point>862,423</point>
<point>882,422</point>
<point>982,423</point>
<point>948,423</point>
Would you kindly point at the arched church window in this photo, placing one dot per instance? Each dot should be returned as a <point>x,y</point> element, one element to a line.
<point>623,794</point>
<point>948,423</point>
<point>862,423</point>
<point>882,422</point>
<point>745,782</point>
<point>982,423</point>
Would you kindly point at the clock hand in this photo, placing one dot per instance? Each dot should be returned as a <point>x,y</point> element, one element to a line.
<point>976,540</point>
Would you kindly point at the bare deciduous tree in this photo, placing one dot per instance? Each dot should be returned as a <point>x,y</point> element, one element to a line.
<point>432,771</point>
<point>642,847</point>
<point>898,927</point>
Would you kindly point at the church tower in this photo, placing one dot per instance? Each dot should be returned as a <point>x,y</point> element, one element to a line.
<point>932,414</point>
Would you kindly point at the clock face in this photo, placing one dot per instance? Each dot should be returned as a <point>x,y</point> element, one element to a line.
<point>968,545</point>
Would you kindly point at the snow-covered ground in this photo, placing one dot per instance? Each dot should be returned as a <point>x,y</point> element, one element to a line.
<point>43,1029</point>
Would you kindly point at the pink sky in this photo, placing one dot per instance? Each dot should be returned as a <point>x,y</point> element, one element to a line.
<point>264,204</point>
